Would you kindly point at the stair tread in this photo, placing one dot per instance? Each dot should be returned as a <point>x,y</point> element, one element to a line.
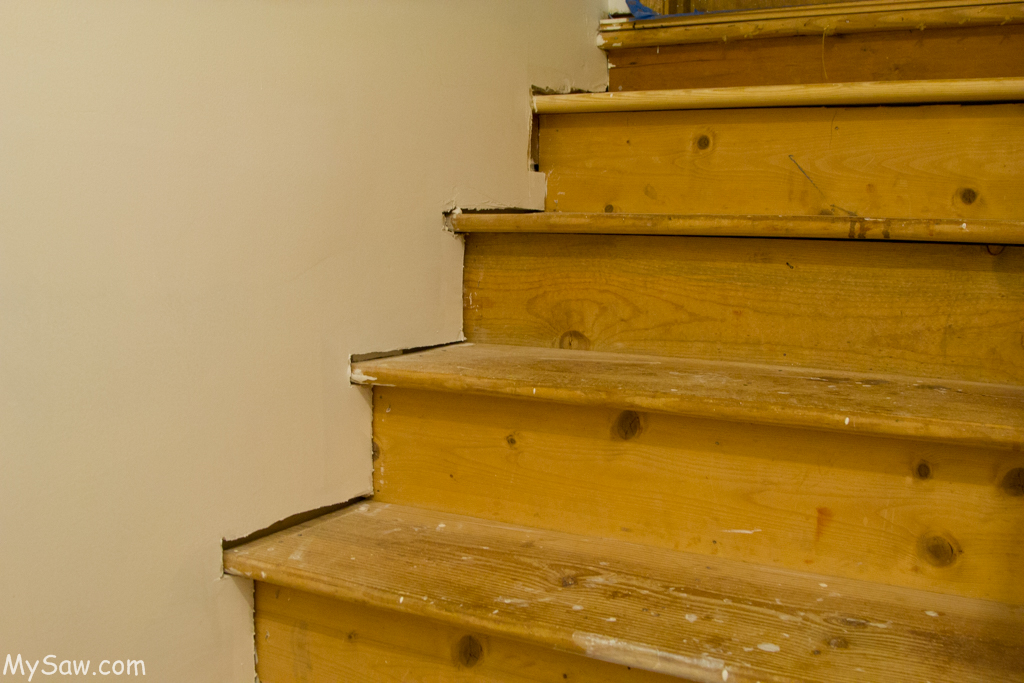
<point>692,616</point>
<point>1007,89</point>
<point>823,227</point>
<point>963,412</point>
<point>820,20</point>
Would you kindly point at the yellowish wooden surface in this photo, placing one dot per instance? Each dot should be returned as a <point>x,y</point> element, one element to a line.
<point>934,517</point>
<point>987,232</point>
<point>933,162</point>
<point>803,95</point>
<point>306,638</point>
<point>924,310</point>
<point>972,52</point>
<point>648,608</point>
<point>734,5</point>
<point>821,20</point>
<point>956,412</point>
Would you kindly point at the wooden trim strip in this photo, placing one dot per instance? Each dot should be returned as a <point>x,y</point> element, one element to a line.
<point>816,227</point>
<point>809,20</point>
<point>812,95</point>
<point>969,413</point>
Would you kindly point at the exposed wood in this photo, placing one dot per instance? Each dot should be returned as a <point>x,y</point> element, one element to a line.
<point>924,310</point>
<point>735,5</point>
<point>965,52</point>
<point>822,20</point>
<point>826,227</point>
<point>812,95</point>
<point>938,161</point>
<point>305,638</point>
<point>836,504</point>
<point>648,608</point>
<point>960,412</point>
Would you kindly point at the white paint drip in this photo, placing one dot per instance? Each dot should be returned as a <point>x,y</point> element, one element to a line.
<point>692,618</point>
<point>577,607</point>
<point>512,601</point>
<point>740,531</point>
<point>931,613</point>
<point>357,377</point>
<point>440,526</point>
<point>847,421</point>
<point>769,647</point>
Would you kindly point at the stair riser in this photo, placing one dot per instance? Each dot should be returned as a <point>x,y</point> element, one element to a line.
<point>970,52</point>
<point>941,161</point>
<point>833,504</point>
<point>311,639</point>
<point>925,310</point>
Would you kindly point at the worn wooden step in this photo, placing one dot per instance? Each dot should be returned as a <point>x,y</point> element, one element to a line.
<point>308,638</point>
<point>956,412</point>
<point>905,55</point>
<point>812,95</point>
<point>988,232</point>
<point>694,617</point>
<point>934,516</point>
<point>924,310</point>
<point>930,162</point>
<point>866,16</point>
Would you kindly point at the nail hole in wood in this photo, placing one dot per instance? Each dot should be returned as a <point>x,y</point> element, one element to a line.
<point>1013,482</point>
<point>628,425</point>
<point>469,651</point>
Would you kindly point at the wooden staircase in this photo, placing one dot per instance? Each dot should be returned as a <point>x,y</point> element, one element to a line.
<point>745,403</point>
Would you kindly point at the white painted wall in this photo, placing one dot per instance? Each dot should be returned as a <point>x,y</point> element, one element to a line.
<point>205,207</point>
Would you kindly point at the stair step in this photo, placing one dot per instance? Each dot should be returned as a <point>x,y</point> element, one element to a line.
<point>820,21</point>
<point>802,95</point>
<point>965,413</point>
<point>947,311</point>
<point>704,619</point>
<point>817,227</point>
<point>907,55</point>
<point>928,161</point>
<point>932,516</point>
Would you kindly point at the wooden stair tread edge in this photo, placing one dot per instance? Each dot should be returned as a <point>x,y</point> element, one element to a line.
<point>801,11</point>
<point>936,91</point>
<point>837,19</point>
<point>686,615</point>
<point>964,412</point>
<point>984,231</point>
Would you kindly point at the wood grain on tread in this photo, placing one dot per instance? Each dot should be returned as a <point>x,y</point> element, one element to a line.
<point>802,95</point>
<point>931,162</point>
<point>938,517</point>
<point>973,52</point>
<point>986,232</point>
<point>825,20</point>
<point>957,412</point>
<point>306,638</point>
<point>679,614</point>
<point>924,310</point>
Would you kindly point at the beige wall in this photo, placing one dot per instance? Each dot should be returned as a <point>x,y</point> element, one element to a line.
<point>205,207</point>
